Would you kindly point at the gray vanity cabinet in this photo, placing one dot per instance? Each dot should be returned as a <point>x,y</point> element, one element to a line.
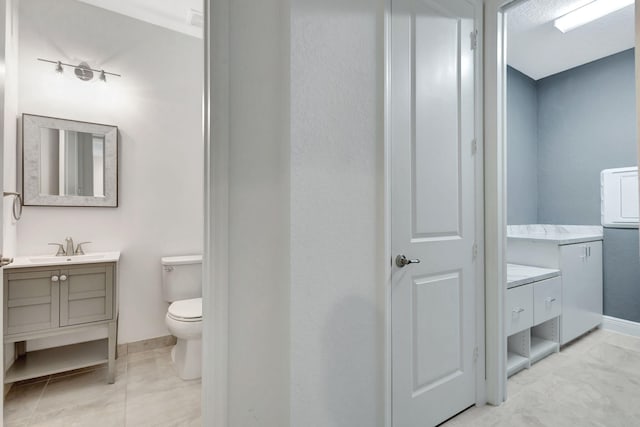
<point>32,301</point>
<point>47,301</point>
<point>86,295</point>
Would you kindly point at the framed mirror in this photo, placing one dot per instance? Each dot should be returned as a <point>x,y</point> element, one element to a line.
<point>69,163</point>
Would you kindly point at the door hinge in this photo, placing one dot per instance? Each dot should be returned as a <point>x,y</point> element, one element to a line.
<point>474,146</point>
<point>475,251</point>
<point>476,354</point>
<point>474,39</point>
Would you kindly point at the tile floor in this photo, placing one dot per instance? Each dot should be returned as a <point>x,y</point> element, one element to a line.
<point>593,382</point>
<point>147,392</point>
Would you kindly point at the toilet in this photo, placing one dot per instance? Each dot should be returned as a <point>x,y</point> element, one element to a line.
<point>182,287</point>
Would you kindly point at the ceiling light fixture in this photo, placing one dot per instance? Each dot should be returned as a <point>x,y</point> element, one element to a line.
<point>589,12</point>
<point>82,71</point>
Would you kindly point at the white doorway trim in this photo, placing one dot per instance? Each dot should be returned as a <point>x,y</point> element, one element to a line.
<point>496,193</point>
<point>387,282</point>
<point>495,197</point>
<point>215,302</point>
<point>5,10</point>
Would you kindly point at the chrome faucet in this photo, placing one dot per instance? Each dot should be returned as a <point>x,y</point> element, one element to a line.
<point>79,250</point>
<point>69,242</point>
<point>60,248</point>
<point>69,249</point>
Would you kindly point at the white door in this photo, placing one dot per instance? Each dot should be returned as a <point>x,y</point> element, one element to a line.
<point>433,209</point>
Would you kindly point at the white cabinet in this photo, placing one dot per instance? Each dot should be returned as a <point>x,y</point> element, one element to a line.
<point>533,312</point>
<point>581,266</point>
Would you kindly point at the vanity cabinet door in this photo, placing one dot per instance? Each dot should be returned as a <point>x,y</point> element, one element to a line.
<point>86,294</point>
<point>31,301</point>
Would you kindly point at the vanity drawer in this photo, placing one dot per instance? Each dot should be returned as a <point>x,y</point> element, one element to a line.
<point>519,309</point>
<point>547,300</point>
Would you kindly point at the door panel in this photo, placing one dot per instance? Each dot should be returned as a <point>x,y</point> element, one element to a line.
<point>436,100</point>
<point>436,301</point>
<point>86,295</point>
<point>31,301</point>
<point>433,209</point>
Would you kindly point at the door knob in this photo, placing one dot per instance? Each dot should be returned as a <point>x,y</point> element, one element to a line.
<point>63,278</point>
<point>402,260</point>
<point>54,278</point>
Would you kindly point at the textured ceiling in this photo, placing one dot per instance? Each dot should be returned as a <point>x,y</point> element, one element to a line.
<point>536,48</point>
<point>171,14</point>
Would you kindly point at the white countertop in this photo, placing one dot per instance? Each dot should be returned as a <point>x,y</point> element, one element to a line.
<point>518,275</point>
<point>51,260</point>
<point>557,234</point>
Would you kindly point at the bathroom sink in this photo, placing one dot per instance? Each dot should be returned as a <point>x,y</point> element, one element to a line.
<point>52,260</point>
<point>63,259</point>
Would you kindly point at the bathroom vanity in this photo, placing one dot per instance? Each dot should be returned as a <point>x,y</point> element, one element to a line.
<point>47,296</point>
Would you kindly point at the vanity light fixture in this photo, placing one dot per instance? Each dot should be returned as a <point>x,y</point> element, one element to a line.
<point>82,71</point>
<point>588,13</point>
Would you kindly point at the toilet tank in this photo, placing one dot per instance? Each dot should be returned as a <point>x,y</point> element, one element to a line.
<point>181,277</point>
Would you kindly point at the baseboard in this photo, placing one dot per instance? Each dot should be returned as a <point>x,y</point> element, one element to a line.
<point>621,326</point>
<point>144,345</point>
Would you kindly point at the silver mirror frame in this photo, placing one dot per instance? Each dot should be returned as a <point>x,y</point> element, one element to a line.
<point>31,125</point>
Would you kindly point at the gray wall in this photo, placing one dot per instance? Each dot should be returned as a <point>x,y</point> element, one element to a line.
<point>586,123</point>
<point>522,148</point>
<point>621,274</point>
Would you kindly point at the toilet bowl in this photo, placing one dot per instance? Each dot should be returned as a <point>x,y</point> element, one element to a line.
<point>182,288</point>
<point>184,320</point>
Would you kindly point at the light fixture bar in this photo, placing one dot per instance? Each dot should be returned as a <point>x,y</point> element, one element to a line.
<point>589,12</point>
<point>58,63</point>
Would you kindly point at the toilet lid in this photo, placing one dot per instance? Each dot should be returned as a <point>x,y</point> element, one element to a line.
<point>186,309</point>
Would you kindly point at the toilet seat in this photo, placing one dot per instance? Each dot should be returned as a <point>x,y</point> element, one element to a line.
<point>188,310</point>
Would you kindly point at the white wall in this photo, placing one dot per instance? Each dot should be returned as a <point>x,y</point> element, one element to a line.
<point>157,106</point>
<point>258,206</point>
<point>337,304</point>
<point>300,155</point>
<point>10,128</point>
